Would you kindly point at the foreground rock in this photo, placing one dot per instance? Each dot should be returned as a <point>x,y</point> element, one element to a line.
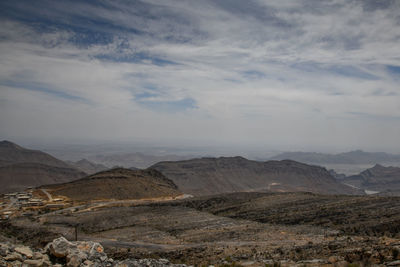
<point>62,252</point>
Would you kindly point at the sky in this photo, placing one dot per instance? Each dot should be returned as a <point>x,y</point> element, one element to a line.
<point>287,74</point>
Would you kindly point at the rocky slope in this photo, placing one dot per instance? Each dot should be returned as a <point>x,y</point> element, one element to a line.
<point>17,177</point>
<point>208,176</point>
<point>21,168</point>
<point>11,153</point>
<point>377,178</point>
<point>118,184</point>
<point>87,166</point>
<point>238,229</point>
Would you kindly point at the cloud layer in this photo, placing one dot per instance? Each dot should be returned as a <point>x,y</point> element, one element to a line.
<point>282,74</point>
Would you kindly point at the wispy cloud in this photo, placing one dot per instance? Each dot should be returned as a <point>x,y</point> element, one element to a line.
<point>212,68</point>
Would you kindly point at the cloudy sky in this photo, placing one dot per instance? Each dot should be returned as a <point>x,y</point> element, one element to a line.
<point>285,74</point>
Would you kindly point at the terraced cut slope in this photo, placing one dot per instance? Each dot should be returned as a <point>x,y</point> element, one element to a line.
<point>208,176</point>
<point>118,183</point>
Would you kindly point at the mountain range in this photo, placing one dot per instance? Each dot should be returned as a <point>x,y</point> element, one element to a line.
<point>352,157</point>
<point>11,153</point>
<point>128,160</point>
<point>21,168</point>
<point>207,176</point>
<point>378,178</point>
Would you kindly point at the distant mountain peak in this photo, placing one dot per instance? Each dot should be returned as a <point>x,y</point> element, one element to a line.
<point>88,166</point>
<point>378,166</point>
<point>84,161</point>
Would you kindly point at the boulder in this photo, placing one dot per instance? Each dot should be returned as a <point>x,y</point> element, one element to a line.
<point>37,255</point>
<point>60,247</point>
<point>72,254</point>
<point>78,252</point>
<point>23,250</point>
<point>34,263</point>
<point>13,257</point>
<point>74,260</point>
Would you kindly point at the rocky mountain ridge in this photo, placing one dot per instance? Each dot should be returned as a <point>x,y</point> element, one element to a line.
<point>21,168</point>
<point>378,178</point>
<point>11,153</point>
<point>207,176</point>
<point>352,157</point>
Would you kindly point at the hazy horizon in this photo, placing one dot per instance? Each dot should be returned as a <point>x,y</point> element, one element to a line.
<point>305,75</point>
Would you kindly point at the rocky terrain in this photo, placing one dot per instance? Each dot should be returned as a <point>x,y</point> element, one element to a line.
<point>61,252</point>
<point>378,179</point>
<point>21,168</point>
<point>238,229</point>
<point>117,183</point>
<point>87,166</point>
<point>207,176</point>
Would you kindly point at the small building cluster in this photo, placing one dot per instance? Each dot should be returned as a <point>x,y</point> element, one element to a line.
<point>26,204</point>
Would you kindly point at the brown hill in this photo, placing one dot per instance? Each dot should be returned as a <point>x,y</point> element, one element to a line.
<point>87,166</point>
<point>377,178</point>
<point>118,184</point>
<point>11,153</point>
<point>208,176</point>
<point>21,168</point>
<point>17,177</point>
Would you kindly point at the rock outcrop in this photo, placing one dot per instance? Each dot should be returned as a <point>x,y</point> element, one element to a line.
<point>62,252</point>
